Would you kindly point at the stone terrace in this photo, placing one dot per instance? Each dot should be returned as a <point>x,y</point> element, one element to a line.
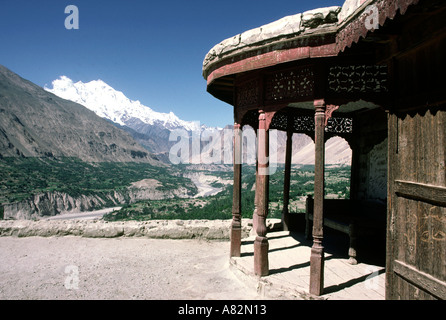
<point>289,263</point>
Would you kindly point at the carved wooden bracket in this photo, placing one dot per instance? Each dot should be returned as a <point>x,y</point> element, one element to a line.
<point>238,115</point>
<point>266,116</point>
<point>269,117</point>
<point>329,111</point>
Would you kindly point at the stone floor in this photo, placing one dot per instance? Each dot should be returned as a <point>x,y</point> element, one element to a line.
<point>289,265</point>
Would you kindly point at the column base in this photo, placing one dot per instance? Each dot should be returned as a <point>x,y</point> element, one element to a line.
<point>285,220</point>
<point>261,265</point>
<point>317,270</point>
<point>236,241</point>
<point>352,248</point>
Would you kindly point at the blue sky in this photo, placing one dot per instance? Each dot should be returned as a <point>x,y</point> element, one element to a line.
<point>152,51</point>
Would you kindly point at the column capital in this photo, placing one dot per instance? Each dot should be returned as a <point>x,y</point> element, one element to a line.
<point>319,105</point>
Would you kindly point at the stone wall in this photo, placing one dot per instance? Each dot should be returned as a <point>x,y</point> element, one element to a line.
<point>155,229</point>
<point>377,169</point>
<point>372,158</point>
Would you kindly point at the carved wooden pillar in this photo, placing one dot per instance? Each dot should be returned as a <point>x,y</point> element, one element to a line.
<point>354,168</point>
<point>317,250</point>
<point>286,182</point>
<point>254,216</point>
<point>236,226</point>
<point>354,183</point>
<point>261,265</point>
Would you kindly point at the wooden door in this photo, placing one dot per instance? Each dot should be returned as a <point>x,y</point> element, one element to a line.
<point>416,224</point>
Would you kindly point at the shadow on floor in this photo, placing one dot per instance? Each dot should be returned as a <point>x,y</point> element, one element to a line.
<point>351,282</point>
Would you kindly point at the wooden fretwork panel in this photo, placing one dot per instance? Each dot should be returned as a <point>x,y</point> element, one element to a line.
<point>294,84</point>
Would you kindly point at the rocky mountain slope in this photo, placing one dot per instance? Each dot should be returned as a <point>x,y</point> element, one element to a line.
<point>36,123</point>
<point>42,135</point>
<point>54,203</point>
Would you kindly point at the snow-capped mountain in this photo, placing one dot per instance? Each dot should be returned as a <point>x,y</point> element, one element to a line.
<point>152,129</point>
<point>35,123</point>
<point>113,105</point>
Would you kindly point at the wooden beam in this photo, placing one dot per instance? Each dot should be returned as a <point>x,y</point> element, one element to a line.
<point>421,191</point>
<point>392,172</point>
<point>428,283</point>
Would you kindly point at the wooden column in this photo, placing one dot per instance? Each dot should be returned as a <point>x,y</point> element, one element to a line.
<point>354,168</point>
<point>236,226</point>
<point>317,250</point>
<point>261,265</point>
<point>354,183</point>
<point>254,216</point>
<point>286,181</point>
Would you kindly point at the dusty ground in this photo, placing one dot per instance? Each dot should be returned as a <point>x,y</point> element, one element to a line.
<point>121,268</point>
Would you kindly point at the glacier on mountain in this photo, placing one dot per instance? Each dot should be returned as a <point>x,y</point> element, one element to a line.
<point>113,105</point>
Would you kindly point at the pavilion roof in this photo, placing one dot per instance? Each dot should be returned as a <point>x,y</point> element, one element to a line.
<point>315,33</point>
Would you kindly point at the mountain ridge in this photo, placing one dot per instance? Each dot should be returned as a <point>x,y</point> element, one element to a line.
<point>37,123</point>
<point>112,104</point>
<point>153,133</point>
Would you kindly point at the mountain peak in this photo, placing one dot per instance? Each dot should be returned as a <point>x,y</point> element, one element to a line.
<point>113,105</point>
<point>35,123</point>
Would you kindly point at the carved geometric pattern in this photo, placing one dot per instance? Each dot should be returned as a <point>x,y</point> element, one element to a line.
<point>300,124</point>
<point>291,84</point>
<point>279,121</point>
<point>357,79</point>
<point>248,94</point>
<point>251,118</point>
<point>303,124</point>
<point>339,125</point>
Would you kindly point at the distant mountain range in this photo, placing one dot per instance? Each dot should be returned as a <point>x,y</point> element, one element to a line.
<point>99,124</point>
<point>37,123</point>
<point>152,129</point>
<point>113,105</point>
